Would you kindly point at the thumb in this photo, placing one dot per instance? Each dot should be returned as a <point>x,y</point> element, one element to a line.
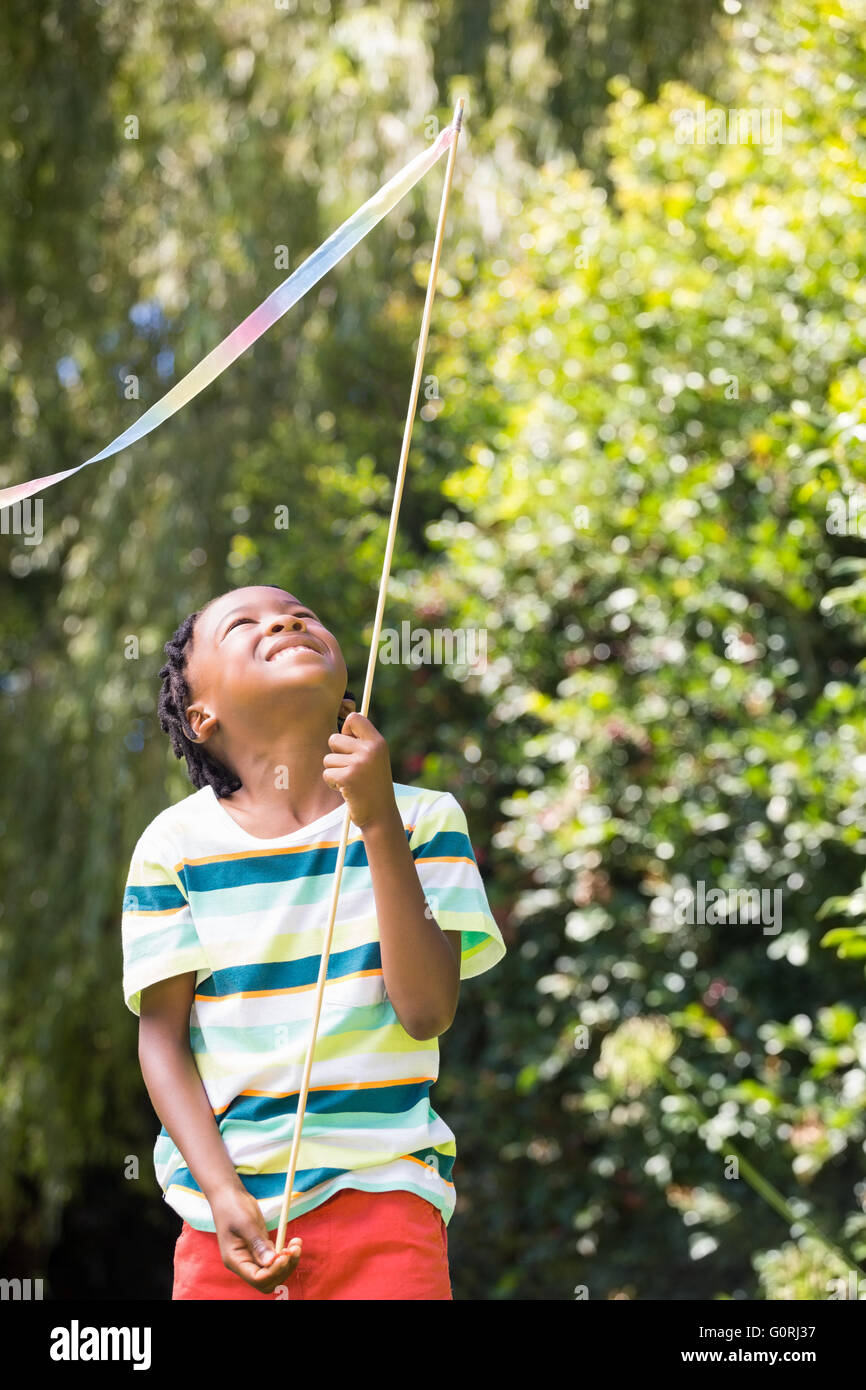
<point>262,1250</point>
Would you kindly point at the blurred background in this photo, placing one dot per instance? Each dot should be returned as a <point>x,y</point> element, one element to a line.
<point>636,467</point>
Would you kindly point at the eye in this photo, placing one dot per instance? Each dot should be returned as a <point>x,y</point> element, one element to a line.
<point>236,622</point>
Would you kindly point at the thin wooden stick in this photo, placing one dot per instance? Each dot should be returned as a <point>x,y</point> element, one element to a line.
<point>288,1194</point>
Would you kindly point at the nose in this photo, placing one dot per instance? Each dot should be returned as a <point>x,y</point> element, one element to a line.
<point>288,624</point>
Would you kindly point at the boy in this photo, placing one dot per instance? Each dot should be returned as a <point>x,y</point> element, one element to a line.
<point>225,910</point>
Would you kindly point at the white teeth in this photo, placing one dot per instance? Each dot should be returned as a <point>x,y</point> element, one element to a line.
<point>287,651</point>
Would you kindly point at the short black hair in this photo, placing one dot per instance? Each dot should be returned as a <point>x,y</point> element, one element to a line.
<point>204,769</point>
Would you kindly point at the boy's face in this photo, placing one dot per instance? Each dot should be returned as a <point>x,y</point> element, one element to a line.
<point>246,668</point>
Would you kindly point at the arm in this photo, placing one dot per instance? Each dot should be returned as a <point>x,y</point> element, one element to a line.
<point>175,1087</point>
<point>420,962</point>
<point>180,1100</point>
<point>421,965</point>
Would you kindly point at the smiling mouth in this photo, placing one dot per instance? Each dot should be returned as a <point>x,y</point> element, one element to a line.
<point>286,652</point>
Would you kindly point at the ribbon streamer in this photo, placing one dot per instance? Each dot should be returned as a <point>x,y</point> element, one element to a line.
<point>293,288</point>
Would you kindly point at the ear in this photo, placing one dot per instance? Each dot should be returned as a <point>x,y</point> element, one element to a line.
<point>201,721</point>
<point>347,706</point>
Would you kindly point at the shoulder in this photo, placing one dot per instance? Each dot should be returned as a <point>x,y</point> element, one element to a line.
<point>417,803</point>
<point>174,825</point>
<point>433,817</point>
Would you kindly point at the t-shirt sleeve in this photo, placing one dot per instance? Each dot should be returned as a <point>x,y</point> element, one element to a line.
<point>157,928</point>
<point>448,871</point>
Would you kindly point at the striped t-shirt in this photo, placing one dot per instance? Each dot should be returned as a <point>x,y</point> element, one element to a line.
<point>249,916</point>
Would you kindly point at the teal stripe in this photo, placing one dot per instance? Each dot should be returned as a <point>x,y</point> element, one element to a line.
<point>394,1098</point>
<point>346,1122</point>
<point>236,898</point>
<point>161,945</point>
<point>152,897</point>
<point>289,974</point>
<point>446,844</point>
<point>365,1018</point>
<point>219,874</point>
<point>459,898</point>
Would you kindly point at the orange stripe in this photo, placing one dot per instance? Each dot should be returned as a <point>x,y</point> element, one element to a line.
<point>154,911</point>
<point>410,1158</point>
<point>259,853</point>
<point>290,989</point>
<point>443,859</point>
<point>337,1086</point>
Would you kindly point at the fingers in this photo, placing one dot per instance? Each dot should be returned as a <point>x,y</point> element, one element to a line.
<point>266,1280</point>
<point>263,1268</point>
<point>263,1251</point>
<point>355,726</point>
<point>360,723</point>
<point>341,743</point>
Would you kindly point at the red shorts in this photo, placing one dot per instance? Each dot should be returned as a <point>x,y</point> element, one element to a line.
<point>357,1245</point>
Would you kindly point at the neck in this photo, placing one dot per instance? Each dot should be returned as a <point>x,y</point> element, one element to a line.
<point>283,788</point>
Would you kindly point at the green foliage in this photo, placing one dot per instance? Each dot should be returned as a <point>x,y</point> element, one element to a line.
<point>672,385</point>
<point>649,404</point>
<point>802,1271</point>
